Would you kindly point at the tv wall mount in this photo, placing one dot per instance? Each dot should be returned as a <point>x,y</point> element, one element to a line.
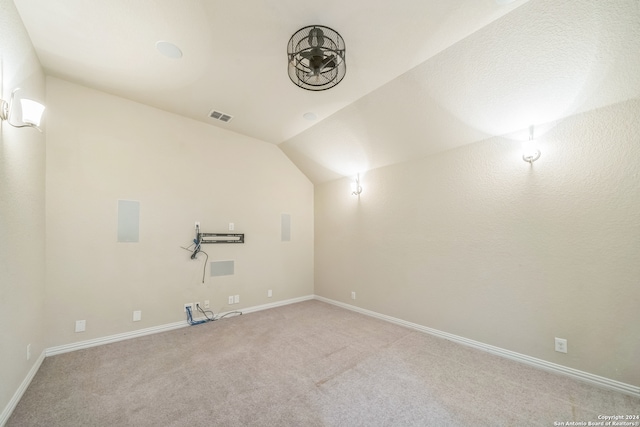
<point>209,238</point>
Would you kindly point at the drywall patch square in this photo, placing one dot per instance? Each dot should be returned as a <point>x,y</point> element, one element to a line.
<point>285,227</point>
<point>222,268</point>
<point>128,221</point>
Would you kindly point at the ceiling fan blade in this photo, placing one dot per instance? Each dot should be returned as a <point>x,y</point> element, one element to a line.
<point>328,62</point>
<point>318,63</point>
<point>312,53</point>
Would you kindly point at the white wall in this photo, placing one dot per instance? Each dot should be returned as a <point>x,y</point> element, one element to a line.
<point>22,213</point>
<point>102,148</point>
<point>477,243</point>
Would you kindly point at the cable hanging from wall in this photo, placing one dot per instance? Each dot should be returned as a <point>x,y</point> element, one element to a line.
<point>210,238</point>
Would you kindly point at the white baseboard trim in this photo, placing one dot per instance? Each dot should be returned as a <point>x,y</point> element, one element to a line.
<point>8,410</point>
<point>518,357</point>
<point>277,304</point>
<point>66,348</point>
<point>52,351</point>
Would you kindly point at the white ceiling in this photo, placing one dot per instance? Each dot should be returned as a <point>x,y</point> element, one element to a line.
<point>422,75</point>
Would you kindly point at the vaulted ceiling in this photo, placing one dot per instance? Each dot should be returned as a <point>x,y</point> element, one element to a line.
<point>422,75</point>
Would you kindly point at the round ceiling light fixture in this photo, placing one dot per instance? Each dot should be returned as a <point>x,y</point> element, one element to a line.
<point>169,49</point>
<point>316,58</point>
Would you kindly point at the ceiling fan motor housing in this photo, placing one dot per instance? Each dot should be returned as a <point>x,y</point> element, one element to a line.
<point>316,58</point>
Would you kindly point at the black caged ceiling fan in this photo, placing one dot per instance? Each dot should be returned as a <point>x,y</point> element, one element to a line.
<point>316,58</point>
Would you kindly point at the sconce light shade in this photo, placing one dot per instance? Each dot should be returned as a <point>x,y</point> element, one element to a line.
<point>356,189</point>
<point>530,152</point>
<point>31,112</point>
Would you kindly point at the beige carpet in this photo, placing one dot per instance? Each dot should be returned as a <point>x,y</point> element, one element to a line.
<point>306,364</point>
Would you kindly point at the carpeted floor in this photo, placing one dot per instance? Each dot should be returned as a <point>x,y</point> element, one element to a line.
<point>305,364</point>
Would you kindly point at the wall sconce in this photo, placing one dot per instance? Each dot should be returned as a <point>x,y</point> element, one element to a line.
<point>530,152</point>
<point>31,111</point>
<point>356,189</point>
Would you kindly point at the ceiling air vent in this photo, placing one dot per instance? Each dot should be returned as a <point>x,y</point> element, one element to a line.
<point>220,116</point>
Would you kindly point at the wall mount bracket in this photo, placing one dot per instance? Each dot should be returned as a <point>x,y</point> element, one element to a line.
<point>209,238</point>
<point>220,238</point>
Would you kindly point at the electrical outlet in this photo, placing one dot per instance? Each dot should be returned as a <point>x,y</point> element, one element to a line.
<point>269,293</point>
<point>197,225</point>
<point>353,295</point>
<point>28,351</point>
<point>190,305</point>
<point>236,299</point>
<point>206,303</point>
<point>196,305</point>
<point>232,226</point>
<point>81,325</point>
<point>231,300</point>
<point>561,345</point>
<point>137,315</point>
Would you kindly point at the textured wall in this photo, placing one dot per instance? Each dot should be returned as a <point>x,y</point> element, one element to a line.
<point>478,243</point>
<point>101,148</point>
<point>22,162</point>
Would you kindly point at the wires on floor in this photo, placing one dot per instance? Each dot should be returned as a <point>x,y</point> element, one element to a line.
<point>206,313</point>
<point>210,319</point>
<point>213,316</point>
<point>239,313</point>
<point>190,318</point>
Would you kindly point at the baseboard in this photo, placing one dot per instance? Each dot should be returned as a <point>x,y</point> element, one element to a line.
<point>52,351</point>
<point>518,357</point>
<point>66,348</point>
<point>277,304</point>
<point>8,410</point>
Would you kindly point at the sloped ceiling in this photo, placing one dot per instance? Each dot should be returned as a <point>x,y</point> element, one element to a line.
<point>542,62</point>
<point>422,75</point>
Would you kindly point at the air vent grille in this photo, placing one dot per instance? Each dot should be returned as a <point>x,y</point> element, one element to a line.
<point>223,117</point>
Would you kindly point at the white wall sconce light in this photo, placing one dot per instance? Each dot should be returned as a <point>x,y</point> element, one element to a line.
<point>29,110</point>
<point>356,189</point>
<point>530,152</point>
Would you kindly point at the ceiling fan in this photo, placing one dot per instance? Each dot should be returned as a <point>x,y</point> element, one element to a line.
<point>316,58</point>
